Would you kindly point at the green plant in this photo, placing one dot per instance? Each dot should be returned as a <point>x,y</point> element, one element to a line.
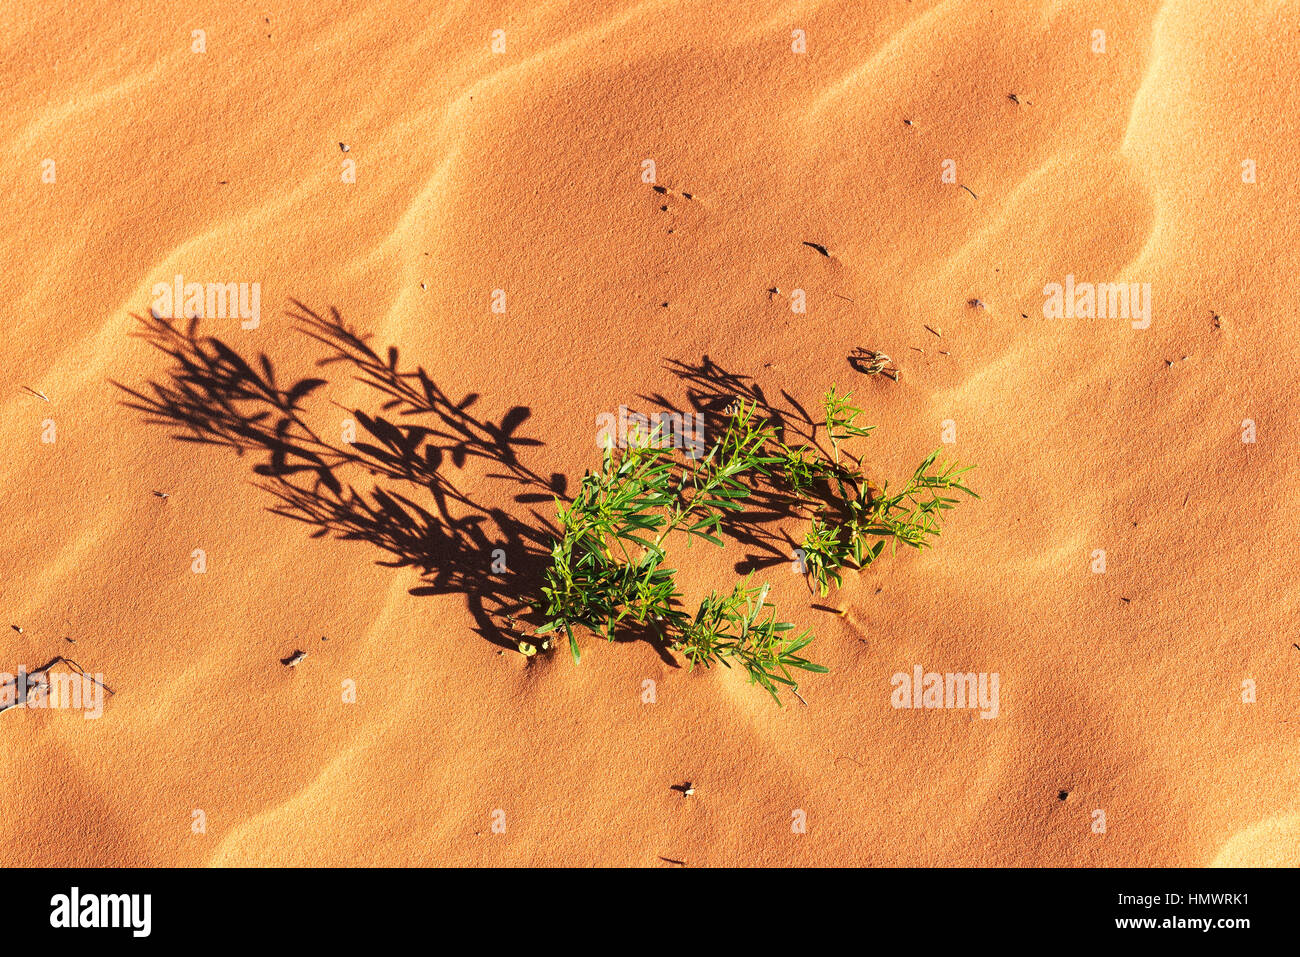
<point>869,516</point>
<point>607,567</point>
<point>742,627</point>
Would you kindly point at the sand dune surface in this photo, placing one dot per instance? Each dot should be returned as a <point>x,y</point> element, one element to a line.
<point>487,168</point>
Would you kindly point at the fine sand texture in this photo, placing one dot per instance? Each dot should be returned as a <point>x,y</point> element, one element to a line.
<point>480,202</point>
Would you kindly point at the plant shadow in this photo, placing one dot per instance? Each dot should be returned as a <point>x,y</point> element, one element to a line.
<point>212,396</point>
<point>422,443</point>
